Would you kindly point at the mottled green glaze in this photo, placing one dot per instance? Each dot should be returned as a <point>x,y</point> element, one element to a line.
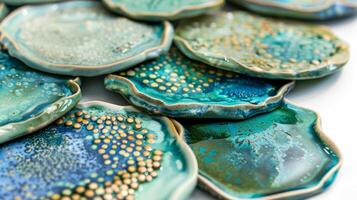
<point>302,9</point>
<point>262,47</point>
<point>31,100</point>
<point>22,2</point>
<point>158,10</point>
<point>3,11</point>
<point>81,38</point>
<point>175,86</point>
<point>282,154</point>
<point>99,151</point>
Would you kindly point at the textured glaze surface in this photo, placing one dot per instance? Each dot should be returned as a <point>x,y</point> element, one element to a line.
<point>306,9</point>
<point>176,86</point>
<point>81,38</point>
<point>21,2</point>
<point>153,10</point>
<point>279,154</point>
<point>98,151</point>
<point>26,94</point>
<point>262,47</point>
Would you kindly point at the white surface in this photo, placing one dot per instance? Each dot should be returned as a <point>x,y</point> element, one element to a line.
<point>334,97</point>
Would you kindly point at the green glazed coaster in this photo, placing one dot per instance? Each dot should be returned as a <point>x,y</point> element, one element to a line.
<point>175,86</point>
<point>81,38</point>
<point>3,11</point>
<point>158,10</point>
<point>262,47</point>
<point>31,100</point>
<point>279,155</point>
<point>100,151</point>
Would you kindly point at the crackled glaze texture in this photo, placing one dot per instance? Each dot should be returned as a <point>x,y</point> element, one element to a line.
<point>81,38</point>
<point>25,94</point>
<point>176,86</point>
<point>305,9</point>
<point>99,151</point>
<point>22,2</point>
<point>156,10</point>
<point>262,47</point>
<point>282,154</point>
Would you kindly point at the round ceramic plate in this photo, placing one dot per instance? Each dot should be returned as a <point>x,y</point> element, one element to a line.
<point>81,38</point>
<point>31,100</point>
<point>158,10</point>
<point>175,86</point>
<point>3,11</point>
<point>262,47</point>
<point>303,9</point>
<point>22,2</point>
<point>100,151</point>
<point>278,155</point>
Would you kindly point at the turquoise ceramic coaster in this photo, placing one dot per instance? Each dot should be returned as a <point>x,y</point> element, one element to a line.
<point>262,47</point>
<point>3,11</point>
<point>31,100</point>
<point>158,10</point>
<point>278,155</point>
<point>99,151</point>
<point>302,9</point>
<point>22,2</point>
<point>175,86</point>
<point>81,38</point>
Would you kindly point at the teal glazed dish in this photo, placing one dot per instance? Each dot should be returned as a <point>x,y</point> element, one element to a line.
<point>175,86</point>
<point>3,11</point>
<point>31,100</point>
<point>99,151</point>
<point>279,155</point>
<point>158,10</point>
<point>262,47</point>
<point>81,38</point>
<point>22,2</point>
<point>302,9</point>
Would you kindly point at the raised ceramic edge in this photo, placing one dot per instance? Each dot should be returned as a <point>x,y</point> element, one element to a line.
<point>337,61</point>
<point>183,190</point>
<point>79,70</point>
<point>290,194</point>
<point>152,100</point>
<point>152,16</point>
<point>47,116</point>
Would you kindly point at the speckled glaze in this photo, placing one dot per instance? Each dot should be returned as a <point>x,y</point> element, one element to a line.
<point>99,150</point>
<point>31,100</point>
<point>302,9</point>
<point>262,47</point>
<point>81,38</point>
<point>278,155</point>
<point>3,11</point>
<point>158,10</point>
<point>175,86</point>
<point>22,2</point>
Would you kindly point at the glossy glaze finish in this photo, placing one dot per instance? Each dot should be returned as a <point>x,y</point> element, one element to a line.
<point>302,9</point>
<point>158,10</point>
<point>175,86</point>
<point>3,11</point>
<point>262,47</point>
<point>99,150</point>
<point>81,38</point>
<point>279,155</point>
<point>31,100</point>
<point>22,2</point>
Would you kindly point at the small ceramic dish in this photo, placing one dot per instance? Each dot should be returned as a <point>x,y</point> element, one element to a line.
<point>31,100</point>
<point>158,10</point>
<point>262,47</point>
<point>3,11</point>
<point>279,155</point>
<point>175,86</point>
<point>100,151</point>
<point>81,38</point>
<point>22,2</point>
<point>302,9</point>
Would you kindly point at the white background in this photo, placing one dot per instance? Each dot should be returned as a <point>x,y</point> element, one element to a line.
<point>334,97</point>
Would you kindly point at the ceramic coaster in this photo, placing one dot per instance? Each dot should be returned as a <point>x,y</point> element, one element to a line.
<point>175,86</point>
<point>302,9</point>
<point>22,2</point>
<point>278,155</point>
<point>31,100</point>
<point>100,151</point>
<point>81,38</point>
<point>3,11</point>
<point>262,47</point>
<point>158,10</point>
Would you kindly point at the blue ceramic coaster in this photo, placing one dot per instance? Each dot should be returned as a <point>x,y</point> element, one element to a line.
<point>31,100</point>
<point>175,86</point>
<point>278,155</point>
<point>99,151</point>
